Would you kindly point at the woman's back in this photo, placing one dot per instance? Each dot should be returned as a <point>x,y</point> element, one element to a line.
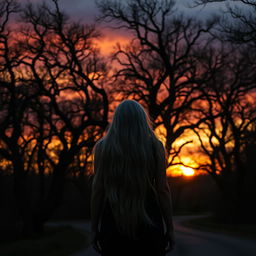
<point>130,196</point>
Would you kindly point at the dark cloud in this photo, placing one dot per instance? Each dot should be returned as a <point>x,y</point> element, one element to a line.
<point>80,9</point>
<point>77,9</point>
<point>86,10</point>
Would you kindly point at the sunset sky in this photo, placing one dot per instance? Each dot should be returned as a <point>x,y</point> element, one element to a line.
<point>86,11</point>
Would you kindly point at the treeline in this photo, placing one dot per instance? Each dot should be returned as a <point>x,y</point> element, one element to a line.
<point>57,92</point>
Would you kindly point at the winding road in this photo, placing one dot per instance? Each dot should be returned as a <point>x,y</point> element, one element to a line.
<point>192,242</point>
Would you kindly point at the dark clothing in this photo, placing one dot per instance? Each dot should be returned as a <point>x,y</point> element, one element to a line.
<point>151,240</point>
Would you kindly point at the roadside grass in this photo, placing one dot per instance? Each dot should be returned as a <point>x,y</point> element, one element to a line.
<point>210,224</point>
<point>55,241</point>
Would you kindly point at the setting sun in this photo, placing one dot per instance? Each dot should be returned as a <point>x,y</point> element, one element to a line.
<point>187,171</point>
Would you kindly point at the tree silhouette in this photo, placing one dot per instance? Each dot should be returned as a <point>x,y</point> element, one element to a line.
<point>241,26</point>
<point>158,67</point>
<point>224,137</point>
<point>56,96</point>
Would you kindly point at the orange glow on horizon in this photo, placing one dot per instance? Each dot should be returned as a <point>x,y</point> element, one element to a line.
<point>180,170</point>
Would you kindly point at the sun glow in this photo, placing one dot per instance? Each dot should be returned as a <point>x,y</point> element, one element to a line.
<point>187,171</point>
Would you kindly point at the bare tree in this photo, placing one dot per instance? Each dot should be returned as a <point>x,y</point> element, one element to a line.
<point>55,104</point>
<point>14,103</point>
<point>241,26</point>
<point>158,68</point>
<point>223,140</point>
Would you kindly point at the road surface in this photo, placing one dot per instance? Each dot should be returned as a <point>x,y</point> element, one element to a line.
<point>191,242</point>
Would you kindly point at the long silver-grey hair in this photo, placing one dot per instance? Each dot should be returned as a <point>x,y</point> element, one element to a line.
<point>126,163</point>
